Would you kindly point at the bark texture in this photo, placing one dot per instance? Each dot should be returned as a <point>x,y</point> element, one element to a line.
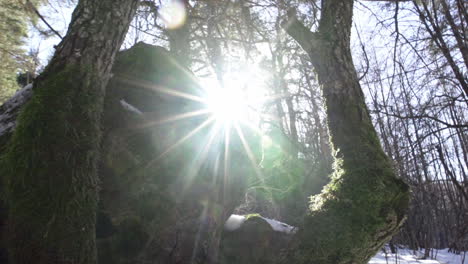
<point>365,203</point>
<point>49,165</point>
<point>147,213</point>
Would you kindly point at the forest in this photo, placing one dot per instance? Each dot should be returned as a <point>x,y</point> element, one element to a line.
<point>233,131</point>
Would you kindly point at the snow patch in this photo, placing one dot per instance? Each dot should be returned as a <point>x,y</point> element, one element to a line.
<point>407,256</point>
<point>129,107</point>
<point>280,226</point>
<point>234,222</point>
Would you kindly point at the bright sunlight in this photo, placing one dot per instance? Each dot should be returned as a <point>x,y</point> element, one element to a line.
<point>240,97</point>
<point>226,104</point>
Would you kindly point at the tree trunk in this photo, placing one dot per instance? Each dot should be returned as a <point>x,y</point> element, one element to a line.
<point>364,204</point>
<point>49,166</point>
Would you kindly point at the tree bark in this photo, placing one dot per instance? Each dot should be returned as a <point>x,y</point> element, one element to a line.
<point>49,165</point>
<point>364,204</point>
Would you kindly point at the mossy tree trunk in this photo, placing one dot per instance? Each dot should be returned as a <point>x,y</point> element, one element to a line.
<point>364,204</point>
<point>49,166</point>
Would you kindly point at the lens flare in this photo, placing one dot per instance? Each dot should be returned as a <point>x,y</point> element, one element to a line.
<point>173,13</point>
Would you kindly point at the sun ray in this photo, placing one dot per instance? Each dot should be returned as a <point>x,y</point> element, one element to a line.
<point>216,168</point>
<point>249,153</point>
<point>182,140</point>
<point>227,137</point>
<point>257,130</point>
<point>198,161</point>
<point>173,118</point>
<point>201,156</point>
<point>226,179</point>
<point>164,90</point>
<point>202,218</point>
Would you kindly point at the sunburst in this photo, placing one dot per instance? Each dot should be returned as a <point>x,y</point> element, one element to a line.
<point>226,113</point>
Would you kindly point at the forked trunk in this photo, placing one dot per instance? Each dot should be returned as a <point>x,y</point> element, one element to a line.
<point>364,204</point>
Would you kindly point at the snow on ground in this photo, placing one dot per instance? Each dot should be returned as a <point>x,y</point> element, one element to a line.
<point>235,221</point>
<point>280,226</point>
<point>403,256</point>
<point>406,256</point>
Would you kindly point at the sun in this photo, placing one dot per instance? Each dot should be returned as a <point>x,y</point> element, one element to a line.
<point>227,105</point>
<point>237,100</point>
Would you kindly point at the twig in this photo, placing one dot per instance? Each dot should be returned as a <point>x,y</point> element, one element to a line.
<point>43,19</point>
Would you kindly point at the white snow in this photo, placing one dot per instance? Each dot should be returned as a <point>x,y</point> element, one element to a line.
<point>130,107</point>
<point>234,222</point>
<point>403,256</point>
<point>280,226</point>
<point>407,256</point>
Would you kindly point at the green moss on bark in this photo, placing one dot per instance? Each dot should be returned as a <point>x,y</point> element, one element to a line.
<point>49,168</point>
<point>363,205</point>
<point>131,238</point>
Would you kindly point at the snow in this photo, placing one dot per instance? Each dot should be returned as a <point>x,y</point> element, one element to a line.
<point>235,221</point>
<point>130,108</point>
<point>407,256</point>
<point>403,256</point>
<point>280,226</point>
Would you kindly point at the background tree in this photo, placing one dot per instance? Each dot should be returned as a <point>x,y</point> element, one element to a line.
<point>419,107</point>
<point>14,17</point>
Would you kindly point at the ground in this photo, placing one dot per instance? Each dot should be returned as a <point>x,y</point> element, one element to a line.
<point>406,256</point>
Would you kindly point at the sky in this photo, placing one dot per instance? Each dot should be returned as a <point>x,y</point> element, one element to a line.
<point>58,14</point>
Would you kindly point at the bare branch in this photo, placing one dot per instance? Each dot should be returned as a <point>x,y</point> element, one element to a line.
<point>30,5</point>
<point>306,39</point>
